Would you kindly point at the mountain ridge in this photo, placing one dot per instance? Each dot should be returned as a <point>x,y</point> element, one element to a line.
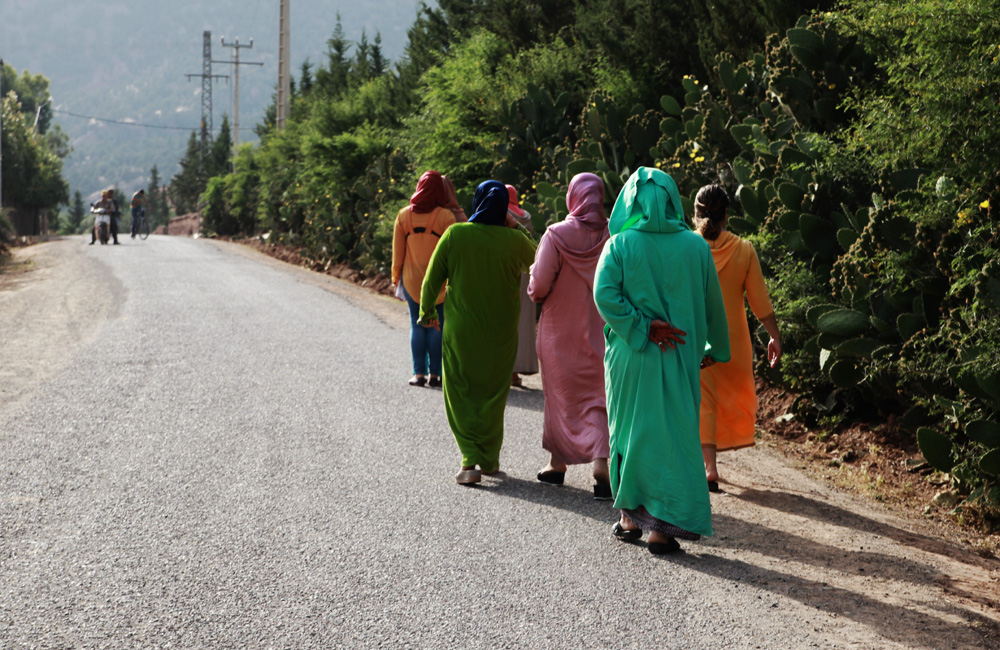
<point>126,62</point>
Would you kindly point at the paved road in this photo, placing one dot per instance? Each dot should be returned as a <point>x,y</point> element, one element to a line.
<point>230,457</point>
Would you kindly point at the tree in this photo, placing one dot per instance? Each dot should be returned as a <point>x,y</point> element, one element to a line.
<point>71,221</point>
<point>221,151</point>
<point>333,79</point>
<point>306,80</point>
<point>188,184</point>
<point>32,174</point>
<point>157,210</point>
<point>378,59</point>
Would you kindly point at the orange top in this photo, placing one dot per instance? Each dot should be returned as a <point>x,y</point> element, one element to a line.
<point>728,397</point>
<point>412,246</point>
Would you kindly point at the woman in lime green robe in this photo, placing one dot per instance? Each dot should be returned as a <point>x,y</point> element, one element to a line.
<point>482,262</point>
<point>653,272</point>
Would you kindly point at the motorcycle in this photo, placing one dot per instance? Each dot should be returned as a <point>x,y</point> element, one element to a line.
<point>102,222</point>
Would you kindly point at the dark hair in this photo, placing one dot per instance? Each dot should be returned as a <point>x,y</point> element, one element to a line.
<point>710,211</point>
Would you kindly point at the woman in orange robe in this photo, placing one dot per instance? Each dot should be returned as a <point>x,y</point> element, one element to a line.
<point>728,397</point>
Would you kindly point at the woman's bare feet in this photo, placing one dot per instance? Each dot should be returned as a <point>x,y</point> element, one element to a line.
<point>553,466</point>
<point>711,469</point>
<point>601,473</point>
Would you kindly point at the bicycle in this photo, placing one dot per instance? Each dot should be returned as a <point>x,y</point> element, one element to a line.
<point>143,228</point>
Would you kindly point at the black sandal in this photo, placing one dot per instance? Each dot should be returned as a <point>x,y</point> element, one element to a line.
<point>552,477</point>
<point>602,492</point>
<point>662,548</point>
<point>418,380</point>
<point>624,534</point>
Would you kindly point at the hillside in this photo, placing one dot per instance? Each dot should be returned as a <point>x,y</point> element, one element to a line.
<point>126,61</point>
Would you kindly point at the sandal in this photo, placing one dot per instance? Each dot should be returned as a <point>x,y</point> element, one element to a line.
<point>468,476</point>
<point>418,380</point>
<point>551,477</point>
<point>434,381</point>
<point>662,548</point>
<point>625,534</point>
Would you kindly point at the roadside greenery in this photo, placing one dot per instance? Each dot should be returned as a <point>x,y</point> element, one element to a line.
<point>857,142</point>
<point>33,146</point>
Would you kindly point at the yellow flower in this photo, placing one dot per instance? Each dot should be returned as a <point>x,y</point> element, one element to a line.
<point>700,159</point>
<point>677,165</point>
<point>659,164</point>
<point>833,86</point>
<point>985,204</point>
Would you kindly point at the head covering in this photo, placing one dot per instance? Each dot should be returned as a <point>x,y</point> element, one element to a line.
<point>430,193</point>
<point>580,237</point>
<point>585,200</point>
<point>489,205</point>
<point>649,202</point>
<point>513,205</point>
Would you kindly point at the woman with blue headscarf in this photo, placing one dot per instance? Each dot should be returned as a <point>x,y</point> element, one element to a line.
<point>655,284</point>
<point>482,262</point>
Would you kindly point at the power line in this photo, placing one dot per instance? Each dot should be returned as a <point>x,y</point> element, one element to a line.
<point>124,123</point>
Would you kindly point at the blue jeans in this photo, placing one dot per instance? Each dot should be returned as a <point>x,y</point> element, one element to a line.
<point>136,216</point>
<point>425,342</point>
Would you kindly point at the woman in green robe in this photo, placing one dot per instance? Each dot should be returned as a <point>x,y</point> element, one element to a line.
<point>656,283</point>
<point>482,261</point>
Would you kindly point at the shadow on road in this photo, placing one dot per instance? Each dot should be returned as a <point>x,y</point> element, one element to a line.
<point>563,497</point>
<point>526,398</point>
<point>913,627</point>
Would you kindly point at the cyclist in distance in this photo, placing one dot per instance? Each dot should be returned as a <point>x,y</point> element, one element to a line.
<point>138,210</point>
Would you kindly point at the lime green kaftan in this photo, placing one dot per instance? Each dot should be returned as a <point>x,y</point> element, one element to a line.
<point>482,265</point>
<point>655,268</point>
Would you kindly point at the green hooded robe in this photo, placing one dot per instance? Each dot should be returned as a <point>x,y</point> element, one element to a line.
<point>654,267</point>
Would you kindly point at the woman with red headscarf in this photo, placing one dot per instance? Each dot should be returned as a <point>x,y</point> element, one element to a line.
<point>418,228</point>
<point>571,336</point>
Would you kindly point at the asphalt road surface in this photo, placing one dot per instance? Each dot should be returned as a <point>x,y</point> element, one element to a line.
<point>200,448</point>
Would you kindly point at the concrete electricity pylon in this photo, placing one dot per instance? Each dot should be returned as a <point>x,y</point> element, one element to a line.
<point>236,63</point>
<point>284,67</point>
<point>206,93</point>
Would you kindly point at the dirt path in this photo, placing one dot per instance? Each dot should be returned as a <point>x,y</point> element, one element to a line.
<point>862,576</point>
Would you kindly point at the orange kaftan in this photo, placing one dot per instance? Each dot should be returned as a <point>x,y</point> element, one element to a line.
<point>728,397</point>
<point>411,255</point>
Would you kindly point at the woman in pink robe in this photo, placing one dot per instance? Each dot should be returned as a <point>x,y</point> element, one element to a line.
<point>570,340</point>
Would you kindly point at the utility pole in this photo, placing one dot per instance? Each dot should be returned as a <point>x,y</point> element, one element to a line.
<point>236,63</point>
<point>284,67</point>
<point>206,92</point>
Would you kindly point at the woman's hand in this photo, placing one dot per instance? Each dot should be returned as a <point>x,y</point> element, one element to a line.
<point>435,323</point>
<point>773,351</point>
<point>665,335</point>
<point>707,362</point>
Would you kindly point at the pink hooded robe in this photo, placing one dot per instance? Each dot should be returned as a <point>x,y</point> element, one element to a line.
<point>570,340</point>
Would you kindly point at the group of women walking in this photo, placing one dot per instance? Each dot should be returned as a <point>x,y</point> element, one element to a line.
<point>645,357</point>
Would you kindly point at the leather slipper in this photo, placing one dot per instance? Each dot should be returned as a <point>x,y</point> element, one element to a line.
<point>417,381</point>
<point>713,486</point>
<point>602,492</point>
<point>552,478</point>
<point>625,535</point>
<point>662,548</point>
<point>468,476</point>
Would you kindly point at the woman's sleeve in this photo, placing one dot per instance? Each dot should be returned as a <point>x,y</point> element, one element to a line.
<point>757,297</point>
<point>398,251</point>
<point>434,279</point>
<point>544,270</point>
<point>527,249</point>
<point>622,317</point>
<point>717,344</point>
